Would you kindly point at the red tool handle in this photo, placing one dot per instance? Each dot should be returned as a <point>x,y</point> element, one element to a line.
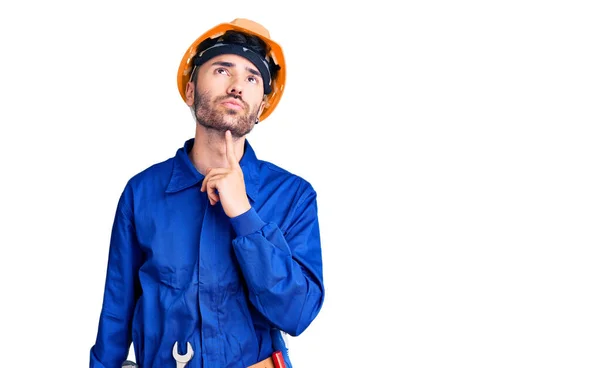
<point>278,359</point>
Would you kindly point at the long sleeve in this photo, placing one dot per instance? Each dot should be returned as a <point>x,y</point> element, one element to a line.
<point>121,291</point>
<point>283,271</point>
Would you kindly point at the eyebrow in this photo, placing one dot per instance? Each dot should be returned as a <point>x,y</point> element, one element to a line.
<point>231,65</point>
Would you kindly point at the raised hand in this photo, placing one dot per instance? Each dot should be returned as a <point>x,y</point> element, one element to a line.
<point>226,184</point>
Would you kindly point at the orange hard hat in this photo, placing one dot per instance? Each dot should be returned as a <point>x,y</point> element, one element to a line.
<point>274,52</point>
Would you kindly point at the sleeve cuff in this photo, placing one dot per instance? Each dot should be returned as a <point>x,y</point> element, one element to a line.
<point>247,223</point>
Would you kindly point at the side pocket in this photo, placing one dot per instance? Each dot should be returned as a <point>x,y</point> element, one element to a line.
<point>279,344</point>
<point>137,332</point>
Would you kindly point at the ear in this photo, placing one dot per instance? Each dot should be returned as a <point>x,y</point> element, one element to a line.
<point>261,107</point>
<point>189,93</point>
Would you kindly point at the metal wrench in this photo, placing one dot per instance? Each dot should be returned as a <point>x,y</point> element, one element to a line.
<point>182,360</point>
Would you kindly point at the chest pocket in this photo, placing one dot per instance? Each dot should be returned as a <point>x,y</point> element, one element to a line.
<point>176,277</point>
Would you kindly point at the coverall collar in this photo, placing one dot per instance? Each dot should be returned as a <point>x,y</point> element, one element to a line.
<point>185,174</point>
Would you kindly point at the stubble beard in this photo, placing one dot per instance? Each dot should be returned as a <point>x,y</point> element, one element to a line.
<point>221,120</point>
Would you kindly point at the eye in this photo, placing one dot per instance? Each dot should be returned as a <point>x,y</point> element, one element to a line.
<point>253,80</point>
<point>222,71</point>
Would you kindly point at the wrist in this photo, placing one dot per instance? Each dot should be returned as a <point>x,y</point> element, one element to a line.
<point>240,210</point>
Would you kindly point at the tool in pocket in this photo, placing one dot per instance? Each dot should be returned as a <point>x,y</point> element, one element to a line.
<point>182,360</point>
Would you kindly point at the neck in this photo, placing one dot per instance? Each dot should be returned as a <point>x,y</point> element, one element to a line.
<point>209,150</point>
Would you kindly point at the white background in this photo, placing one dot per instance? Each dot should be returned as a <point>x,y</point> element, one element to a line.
<point>454,146</point>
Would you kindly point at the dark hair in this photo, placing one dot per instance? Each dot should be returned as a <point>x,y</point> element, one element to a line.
<point>239,38</point>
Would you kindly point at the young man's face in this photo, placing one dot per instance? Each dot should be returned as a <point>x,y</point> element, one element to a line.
<point>228,94</point>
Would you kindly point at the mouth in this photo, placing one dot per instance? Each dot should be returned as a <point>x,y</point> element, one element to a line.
<point>232,105</point>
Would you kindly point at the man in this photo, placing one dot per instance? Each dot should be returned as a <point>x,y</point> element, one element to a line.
<point>214,253</point>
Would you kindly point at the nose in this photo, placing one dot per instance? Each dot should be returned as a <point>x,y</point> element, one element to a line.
<point>235,88</point>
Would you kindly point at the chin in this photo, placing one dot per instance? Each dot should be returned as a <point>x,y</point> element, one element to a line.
<point>230,112</point>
